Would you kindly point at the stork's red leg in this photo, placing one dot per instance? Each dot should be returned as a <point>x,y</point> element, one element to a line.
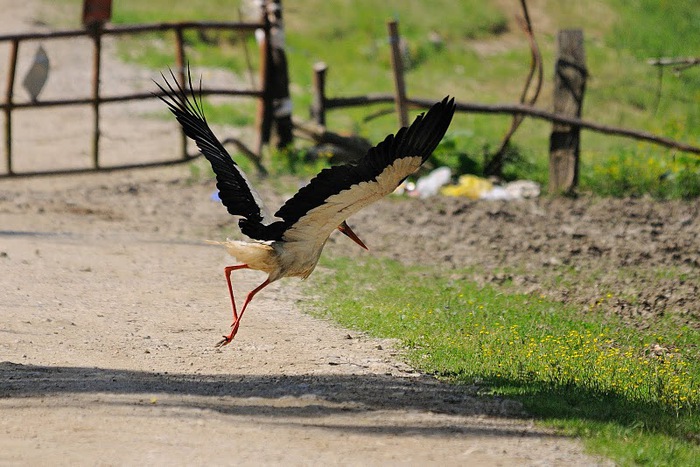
<point>227,273</point>
<point>227,339</point>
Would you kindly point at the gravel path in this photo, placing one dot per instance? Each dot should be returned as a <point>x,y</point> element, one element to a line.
<point>111,304</point>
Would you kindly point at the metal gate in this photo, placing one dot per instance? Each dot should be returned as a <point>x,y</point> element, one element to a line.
<point>95,100</point>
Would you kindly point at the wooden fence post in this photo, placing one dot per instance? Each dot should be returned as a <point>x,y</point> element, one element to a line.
<point>95,14</point>
<point>397,66</point>
<point>281,100</point>
<point>264,117</point>
<point>181,64</point>
<point>96,72</point>
<point>9,94</point>
<point>569,85</point>
<point>318,106</point>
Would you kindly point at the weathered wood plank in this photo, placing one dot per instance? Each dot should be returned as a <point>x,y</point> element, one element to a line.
<point>569,86</point>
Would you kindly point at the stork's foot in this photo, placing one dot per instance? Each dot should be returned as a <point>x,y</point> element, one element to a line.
<point>237,316</point>
<point>225,341</point>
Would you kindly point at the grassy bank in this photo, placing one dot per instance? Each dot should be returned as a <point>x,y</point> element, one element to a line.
<point>631,395</point>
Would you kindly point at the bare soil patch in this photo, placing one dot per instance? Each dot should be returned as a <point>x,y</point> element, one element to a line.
<point>638,258</point>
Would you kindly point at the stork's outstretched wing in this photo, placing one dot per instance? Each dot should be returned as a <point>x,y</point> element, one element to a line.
<point>338,192</point>
<point>333,195</point>
<point>235,191</point>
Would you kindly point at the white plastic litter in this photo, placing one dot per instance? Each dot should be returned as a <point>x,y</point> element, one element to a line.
<point>524,188</point>
<point>430,184</point>
<point>497,192</point>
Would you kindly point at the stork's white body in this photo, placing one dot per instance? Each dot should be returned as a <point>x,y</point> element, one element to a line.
<point>277,259</point>
<point>300,247</point>
<point>303,243</point>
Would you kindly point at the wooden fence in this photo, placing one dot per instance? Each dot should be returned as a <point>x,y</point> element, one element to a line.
<point>267,94</point>
<point>565,175</point>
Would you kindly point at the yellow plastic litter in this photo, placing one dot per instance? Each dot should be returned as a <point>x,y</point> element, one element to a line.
<point>469,186</point>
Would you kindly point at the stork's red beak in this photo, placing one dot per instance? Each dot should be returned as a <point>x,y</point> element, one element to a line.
<point>345,228</point>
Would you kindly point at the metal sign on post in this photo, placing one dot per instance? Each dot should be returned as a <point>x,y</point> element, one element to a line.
<point>96,12</point>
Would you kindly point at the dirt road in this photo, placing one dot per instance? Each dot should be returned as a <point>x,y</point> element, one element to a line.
<point>110,304</point>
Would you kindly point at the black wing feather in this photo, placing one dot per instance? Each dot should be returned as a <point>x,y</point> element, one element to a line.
<point>420,139</point>
<point>234,190</point>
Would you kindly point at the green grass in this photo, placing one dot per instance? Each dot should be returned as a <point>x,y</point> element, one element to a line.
<point>630,173</point>
<point>631,395</point>
<point>621,91</point>
<point>240,114</point>
<point>478,59</point>
<point>679,17</point>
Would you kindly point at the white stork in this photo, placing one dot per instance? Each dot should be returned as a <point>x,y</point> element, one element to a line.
<point>289,243</point>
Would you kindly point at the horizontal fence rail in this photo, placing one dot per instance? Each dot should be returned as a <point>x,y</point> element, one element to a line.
<point>518,109</point>
<point>323,103</point>
<point>127,97</point>
<point>135,29</point>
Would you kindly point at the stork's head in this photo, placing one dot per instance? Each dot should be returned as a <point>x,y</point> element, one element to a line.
<point>345,229</point>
